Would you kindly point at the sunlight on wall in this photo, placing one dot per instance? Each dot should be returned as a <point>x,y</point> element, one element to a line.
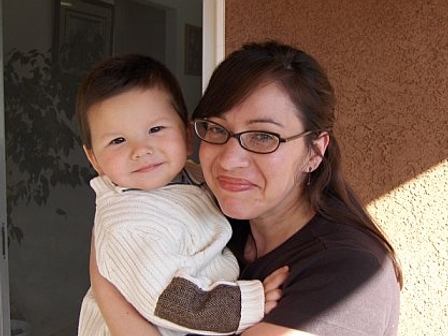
<point>415,217</point>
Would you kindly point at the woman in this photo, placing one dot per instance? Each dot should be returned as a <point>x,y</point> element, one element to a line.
<point>270,156</point>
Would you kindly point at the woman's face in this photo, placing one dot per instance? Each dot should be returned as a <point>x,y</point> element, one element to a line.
<point>256,186</point>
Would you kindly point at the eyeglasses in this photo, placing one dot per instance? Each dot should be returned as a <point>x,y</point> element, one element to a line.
<point>260,142</point>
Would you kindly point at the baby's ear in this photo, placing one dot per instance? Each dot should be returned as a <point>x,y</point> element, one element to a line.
<point>92,159</point>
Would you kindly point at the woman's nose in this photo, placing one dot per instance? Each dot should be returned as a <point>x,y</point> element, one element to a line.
<point>232,155</point>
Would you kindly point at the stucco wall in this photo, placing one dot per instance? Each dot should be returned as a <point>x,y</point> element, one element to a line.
<point>388,61</point>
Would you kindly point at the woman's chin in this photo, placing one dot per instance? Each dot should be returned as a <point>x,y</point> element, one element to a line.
<point>236,209</point>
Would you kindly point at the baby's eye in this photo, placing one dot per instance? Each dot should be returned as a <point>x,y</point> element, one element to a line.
<point>156,129</point>
<point>117,141</point>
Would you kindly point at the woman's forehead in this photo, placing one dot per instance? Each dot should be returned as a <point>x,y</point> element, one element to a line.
<point>267,101</point>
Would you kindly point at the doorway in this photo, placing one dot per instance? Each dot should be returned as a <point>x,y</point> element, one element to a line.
<point>50,205</point>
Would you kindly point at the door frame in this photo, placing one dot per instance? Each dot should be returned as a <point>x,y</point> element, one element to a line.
<point>5,328</point>
<point>213,38</point>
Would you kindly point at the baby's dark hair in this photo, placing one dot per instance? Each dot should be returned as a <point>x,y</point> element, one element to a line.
<point>120,74</point>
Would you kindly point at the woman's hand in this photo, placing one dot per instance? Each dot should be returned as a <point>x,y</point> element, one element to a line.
<point>120,316</point>
<point>272,288</point>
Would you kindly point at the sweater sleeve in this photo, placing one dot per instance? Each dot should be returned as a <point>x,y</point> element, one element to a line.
<point>174,270</point>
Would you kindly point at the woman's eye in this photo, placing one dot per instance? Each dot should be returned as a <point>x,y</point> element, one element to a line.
<point>263,137</point>
<point>117,141</point>
<point>156,129</point>
<point>216,130</point>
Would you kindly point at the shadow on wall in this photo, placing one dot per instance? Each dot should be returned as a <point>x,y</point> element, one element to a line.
<point>393,126</point>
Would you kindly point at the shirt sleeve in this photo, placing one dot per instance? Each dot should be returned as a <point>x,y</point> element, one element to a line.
<point>145,251</point>
<point>339,293</point>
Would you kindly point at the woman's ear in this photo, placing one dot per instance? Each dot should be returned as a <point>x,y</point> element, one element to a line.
<point>320,145</point>
<point>92,159</point>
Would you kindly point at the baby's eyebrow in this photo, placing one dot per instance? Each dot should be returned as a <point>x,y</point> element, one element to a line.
<point>111,135</point>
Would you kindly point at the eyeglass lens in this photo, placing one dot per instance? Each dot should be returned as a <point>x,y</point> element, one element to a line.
<point>254,141</point>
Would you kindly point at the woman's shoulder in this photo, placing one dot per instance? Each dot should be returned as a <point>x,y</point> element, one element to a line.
<point>339,266</point>
<point>343,236</point>
<point>324,245</point>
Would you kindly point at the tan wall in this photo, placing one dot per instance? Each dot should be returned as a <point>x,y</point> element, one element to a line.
<point>388,61</point>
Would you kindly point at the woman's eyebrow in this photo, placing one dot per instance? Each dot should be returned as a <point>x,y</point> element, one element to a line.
<point>264,121</point>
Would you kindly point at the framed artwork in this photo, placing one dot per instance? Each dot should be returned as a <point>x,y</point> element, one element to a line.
<point>83,30</point>
<point>193,50</point>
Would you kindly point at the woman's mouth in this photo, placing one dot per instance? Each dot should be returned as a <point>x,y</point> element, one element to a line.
<point>235,184</point>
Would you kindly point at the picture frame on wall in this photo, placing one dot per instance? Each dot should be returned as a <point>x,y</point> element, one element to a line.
<point>193,50</point>
<point>82,31</point>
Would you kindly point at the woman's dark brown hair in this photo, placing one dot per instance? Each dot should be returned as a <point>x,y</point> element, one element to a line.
<point>307,84</point>
<point>120,74</point>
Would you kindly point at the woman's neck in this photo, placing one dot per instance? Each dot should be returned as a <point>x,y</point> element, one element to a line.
<point>269,233</point>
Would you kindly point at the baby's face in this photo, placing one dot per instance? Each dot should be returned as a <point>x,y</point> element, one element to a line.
<point>138,139</point>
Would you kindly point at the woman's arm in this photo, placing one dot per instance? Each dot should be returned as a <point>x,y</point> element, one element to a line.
<point>120,316</point>
<point>268,329</point>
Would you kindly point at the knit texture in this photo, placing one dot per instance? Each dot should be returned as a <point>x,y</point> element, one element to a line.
<point>165,251</point>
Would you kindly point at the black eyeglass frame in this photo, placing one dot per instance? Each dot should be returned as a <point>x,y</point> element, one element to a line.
<point>238,136</point>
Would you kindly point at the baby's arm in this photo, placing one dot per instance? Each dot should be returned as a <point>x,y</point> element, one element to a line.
<point>142,251</point>
<point>123,319</point>
<point>174,298</point>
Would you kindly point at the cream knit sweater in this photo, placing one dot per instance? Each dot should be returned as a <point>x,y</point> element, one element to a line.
<point>165,251</point>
